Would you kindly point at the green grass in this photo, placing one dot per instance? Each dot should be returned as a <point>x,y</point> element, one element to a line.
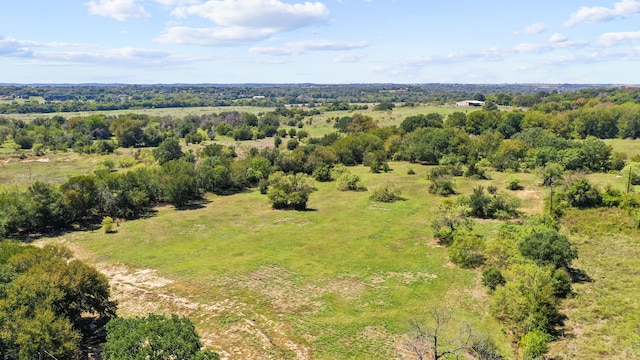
<point>629,147</point>
<point>320,126</point>
<point>604,315</point>
<point>341,279</point>
<point>175,112</point>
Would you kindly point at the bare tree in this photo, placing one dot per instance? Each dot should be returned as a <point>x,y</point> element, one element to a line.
<point>437,340</point>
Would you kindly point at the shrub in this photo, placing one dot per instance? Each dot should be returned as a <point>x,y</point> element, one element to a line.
<point>384,105</point>
<point>107,224</point>
<point>322,173</point>
<point>611,197</point>
<point>292,144</point>
<point>582,194</point>
<point>410,171</point>
<point>535,344</point>
<point>466,251</point>
<point>561,282</point>
<point>496,206</point>
<point>338,170</point>
<point>348,181</point>
<point>302,134</point>
<point>513,183</point>
<point>492,277</point>
<point>386,193</point>
<point>289,190</point>
<point>224,129</point>
<point>450,220</point>
<point>475,171</point>
<point>442,187</point>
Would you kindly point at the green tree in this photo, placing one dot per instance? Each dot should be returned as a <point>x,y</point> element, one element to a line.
<point>168,150</point>
<point>80,195</point>
<point>549,247</point>
<point>47,207</point>
<point>581,194</point>
<point>180,182</point>
<point>384,105</point>
<point>449,220</point>
<point>128,131</point>
<point>527,301</point>
<point>154,337</point>
<point>40,309</point>
<point>289,190</point>
<point>361,123</point>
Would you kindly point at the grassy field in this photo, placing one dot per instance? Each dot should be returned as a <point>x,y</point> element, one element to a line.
<point>175,112</point>
<point>338,281</point>
<point>626,146</point>
<point>604,314</point>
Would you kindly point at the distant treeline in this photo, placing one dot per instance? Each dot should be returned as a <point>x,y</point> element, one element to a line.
<point>72,98</point>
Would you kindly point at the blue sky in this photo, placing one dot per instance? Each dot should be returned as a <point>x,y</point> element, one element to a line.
<point>326,41</point>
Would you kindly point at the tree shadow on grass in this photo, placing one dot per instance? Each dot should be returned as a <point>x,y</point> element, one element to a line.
<point>194,205</point>
<point>579,276</point>
<point>29,238</point>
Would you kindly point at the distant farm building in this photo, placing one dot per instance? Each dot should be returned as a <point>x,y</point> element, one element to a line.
<point>470,103</point>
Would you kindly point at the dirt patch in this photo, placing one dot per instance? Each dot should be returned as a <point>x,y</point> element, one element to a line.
<point>377,206</point>
<point>449,265</point>
<point>286,295</point>
<point>434,243</point>
<point>294,220</point>
<point>404,277</point>
<point>532,201</point>
<point>142,291</point>
<point>349,288</point>
<point>42,160</point>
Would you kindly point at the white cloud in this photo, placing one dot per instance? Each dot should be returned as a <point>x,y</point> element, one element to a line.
<point>597,14</point>
<point>24,48</point>
<point>176,2</point>
<point>348,58</point>
<point>557,41</point>
<point>229,36</point>
<point>557,38</point>
<point>486,55</point>
<point>241,21</point>
<point>263,14</point>
<point>120,10</point>
<point>534,29</point>
<point>301,47</point>
<point>62,54</point>
<point>12,47</point>
<point>614,38</point>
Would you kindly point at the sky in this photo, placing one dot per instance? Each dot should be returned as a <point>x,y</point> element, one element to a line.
<point>323,42</point>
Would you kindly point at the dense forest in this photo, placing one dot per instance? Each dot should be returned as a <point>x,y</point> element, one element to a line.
<point>554,131</point>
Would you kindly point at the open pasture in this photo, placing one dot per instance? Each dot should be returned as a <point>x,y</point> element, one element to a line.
<point>340,280</point>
